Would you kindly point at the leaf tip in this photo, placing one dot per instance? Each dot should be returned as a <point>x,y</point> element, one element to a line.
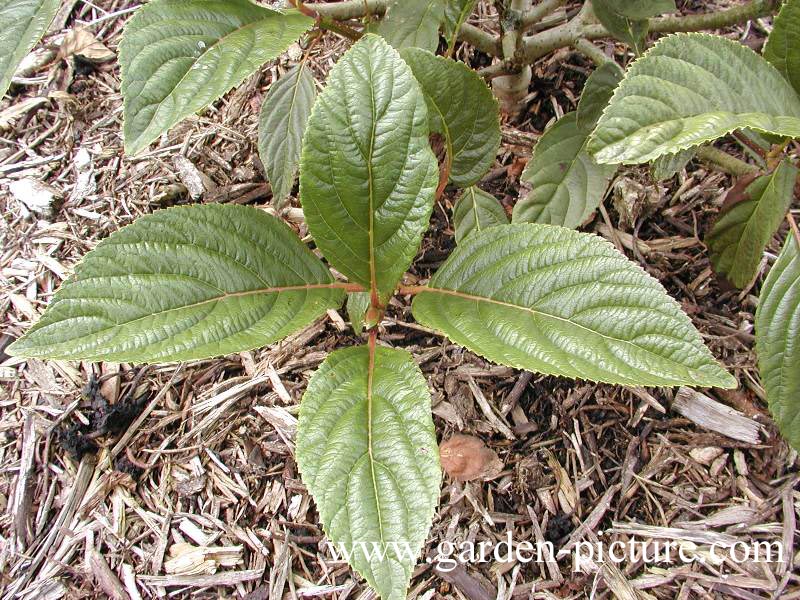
<point>719,378</point>
<point>23,347</point>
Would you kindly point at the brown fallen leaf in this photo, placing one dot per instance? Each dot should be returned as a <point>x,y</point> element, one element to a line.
<point>517,166</point>
<point>81,42</point>
<point>465,457</point>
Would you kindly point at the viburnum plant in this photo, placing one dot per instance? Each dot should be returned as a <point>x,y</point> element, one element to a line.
<point>199,281</point>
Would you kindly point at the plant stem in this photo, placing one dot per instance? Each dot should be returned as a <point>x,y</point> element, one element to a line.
<point>444,174</point>
<point>411,290</point>
<point>543,43</point>
<point>482,40</point>
<point>324,22</point>
<point>349,9</point>
<point>495,70</point>
<point>512,89</point>
<point>793,227</point>
<point>597,56</point>
<point>540,44</point>
<point>726,162</point>
<point>540,11</point>
<point>533,47</point>
<point>714,20</point>
<point>748,143</point>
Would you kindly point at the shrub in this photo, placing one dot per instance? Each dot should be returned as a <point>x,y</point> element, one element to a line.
<point>200,281</point>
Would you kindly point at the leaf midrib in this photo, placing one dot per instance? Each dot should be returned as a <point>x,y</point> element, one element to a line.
<point>221,297</point>
<point>286,157</point>
<point>533,311</point>
<point>202,56</point>
<point>756,218</point>
<point>373,278</point>
<point>370,378</point>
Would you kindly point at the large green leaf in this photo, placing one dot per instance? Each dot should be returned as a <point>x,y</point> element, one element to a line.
<point>568,185</point>
<point>185,283</point>
<point>367,174</point>
<point>367,452</point>
<point>641,9</point>
<point>413,23</point>
<point>778,340</point>
<point>748,220</point>
<point>456,13</point>
<point>552,300</point>
<point>692,88</point>
<point>178,56</point>
<point>463,109</point>
<point>631,31</point>
<point>22,23</point>
<point>783,44</point>
<point>596,93</point>
<point>281,124</point>
<point>476,210</point>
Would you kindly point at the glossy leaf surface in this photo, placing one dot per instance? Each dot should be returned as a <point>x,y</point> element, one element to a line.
<point>782,49</point>
<point>357,305</point>
<point>630,31</point>
<point>367,174</point>
<point>412,23</point>
<point>748,221</point>
<point>690,89</point>
<point>476,210</point>
<point>281,124</point>
<point>596,94</point>
<point>22,23</point>
<point>178,56</point>
<point>456,13</point>
<point>462,108</point>
<point>552,300</point>
<point>568,185</point>
<point>641,9</point>
<point>185,283</point>
<point>778,340</point>
<point>669,165</point>
<point>367,452</point>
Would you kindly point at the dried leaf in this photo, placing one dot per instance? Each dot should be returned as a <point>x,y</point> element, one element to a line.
<point>81,42</point>
<point>465,457</point>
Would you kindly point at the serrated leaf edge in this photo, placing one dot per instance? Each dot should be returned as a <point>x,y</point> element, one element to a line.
<point>704,140</point>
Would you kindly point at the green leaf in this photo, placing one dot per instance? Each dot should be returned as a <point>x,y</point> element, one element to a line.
<point>23,23</point>
<point>641,9</point>
<point>568,185</point>
<point>669,165</point>
<point>181,284</point>
<point>597,92</point>
<point>357,305</point>
<point>367,173</point>
<point>692,88</point>
<point>476,210</point>
<point>777,335</point>
<point>367,452</point>
<point>552,300</point>
<point>630,31</point>
<point>463,109</point>
<point>412,23</point>
<point>782,49</point>
<point>178,56</point>
<point>456,13</point>
<point>281,124</point>
<point>749,218</point>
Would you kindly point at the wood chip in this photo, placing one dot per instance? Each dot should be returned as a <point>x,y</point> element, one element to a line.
<point>713,415</point>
